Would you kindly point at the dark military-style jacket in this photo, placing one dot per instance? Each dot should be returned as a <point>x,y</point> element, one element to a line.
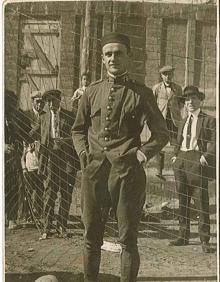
<point>110,118</point>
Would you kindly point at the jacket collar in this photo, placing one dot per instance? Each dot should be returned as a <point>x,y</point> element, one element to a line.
<point>120,79</point>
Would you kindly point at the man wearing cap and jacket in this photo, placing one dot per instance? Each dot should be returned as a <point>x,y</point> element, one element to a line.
<point>168,96</point>
<point>194,163</point>
<point>106,135</point>
<point>29,161</point>
<point>58,162</point>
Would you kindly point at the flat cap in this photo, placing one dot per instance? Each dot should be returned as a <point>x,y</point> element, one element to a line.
<point>193,90</point>
<point>166,69</point>
<point>115,37</point>
<point>51,94</point>
<point>36,94</point>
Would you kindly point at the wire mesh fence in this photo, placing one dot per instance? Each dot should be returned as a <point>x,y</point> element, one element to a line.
<point>48,46</point>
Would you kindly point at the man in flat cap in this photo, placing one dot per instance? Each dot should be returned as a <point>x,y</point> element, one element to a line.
<point>58,162</point>
<point>106,135</point>
<point>168,96</point>
<point>29,161</point>
<point>194,162</point>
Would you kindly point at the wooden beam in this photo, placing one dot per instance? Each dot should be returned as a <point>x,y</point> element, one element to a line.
<point>86,37</point>
<point>190,51</point>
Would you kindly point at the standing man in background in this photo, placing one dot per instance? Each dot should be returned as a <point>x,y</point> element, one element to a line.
<point>85,81</point>
<point>16,129</point>
<point>194,161</point>
<point>29,161</point>
<point>106,136</point>
<point>58,162</point>
<point>168,96</point>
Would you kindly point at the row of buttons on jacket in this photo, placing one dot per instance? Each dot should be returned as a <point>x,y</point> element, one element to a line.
<point>108,117</point>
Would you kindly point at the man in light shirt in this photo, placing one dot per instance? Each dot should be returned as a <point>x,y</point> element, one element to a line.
<point>58,162</point>
<point>168,95</point>
<point>29,161</point>
<point>85,81</point>
<point>193,161</point>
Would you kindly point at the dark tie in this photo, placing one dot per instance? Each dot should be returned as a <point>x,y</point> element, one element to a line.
<point>188,134</point>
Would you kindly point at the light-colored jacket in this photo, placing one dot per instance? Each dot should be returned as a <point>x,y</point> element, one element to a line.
<point>169,99</point>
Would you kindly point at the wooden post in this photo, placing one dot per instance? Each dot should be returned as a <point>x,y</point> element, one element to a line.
<point>86,36</point>
<point>190,51</point>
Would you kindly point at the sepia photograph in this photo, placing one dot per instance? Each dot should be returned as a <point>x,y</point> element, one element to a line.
<point>110,126</point>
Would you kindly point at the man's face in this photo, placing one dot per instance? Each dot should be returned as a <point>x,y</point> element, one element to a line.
<point>54,104</point>
<point>115,57</point>
<point>37,104</point>
<point>192,103</point>
<point>85,81</point>
<point>167,76</point>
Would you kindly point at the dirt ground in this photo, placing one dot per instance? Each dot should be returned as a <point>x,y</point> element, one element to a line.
<point>27,257</point>
<point>25,253</point>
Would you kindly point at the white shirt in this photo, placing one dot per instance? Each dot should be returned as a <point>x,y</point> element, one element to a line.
<point>35,112</point>
<point>78,93</point>
<point>31,161</point>
<point>55,122</point>
<point>193,142</point>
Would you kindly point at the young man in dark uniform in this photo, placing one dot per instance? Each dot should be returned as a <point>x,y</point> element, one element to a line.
<point>106,136</point>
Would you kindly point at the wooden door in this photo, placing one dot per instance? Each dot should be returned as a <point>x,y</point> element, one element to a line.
<point>173,47</point>
<point>39,58</point>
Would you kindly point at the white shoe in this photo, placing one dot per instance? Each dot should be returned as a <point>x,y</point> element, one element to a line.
<point>44,236</point>
<point>12,225</point>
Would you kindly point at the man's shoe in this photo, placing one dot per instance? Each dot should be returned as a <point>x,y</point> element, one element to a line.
<point>62,233</point>
<point>45,235</point>
<point>179,242</point>
<point>206,248</point>
<point>12,225</point>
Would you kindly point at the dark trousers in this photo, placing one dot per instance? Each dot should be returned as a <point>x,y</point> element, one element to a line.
<point>160,162</point>
<point>160,157</point>
<point>34,192</point>
<point>60,177</point>
<point>126,195</point>
<point>192,182</point>
<point>12,171</point>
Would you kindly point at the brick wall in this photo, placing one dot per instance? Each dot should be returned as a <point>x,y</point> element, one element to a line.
<point>158,35</point>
